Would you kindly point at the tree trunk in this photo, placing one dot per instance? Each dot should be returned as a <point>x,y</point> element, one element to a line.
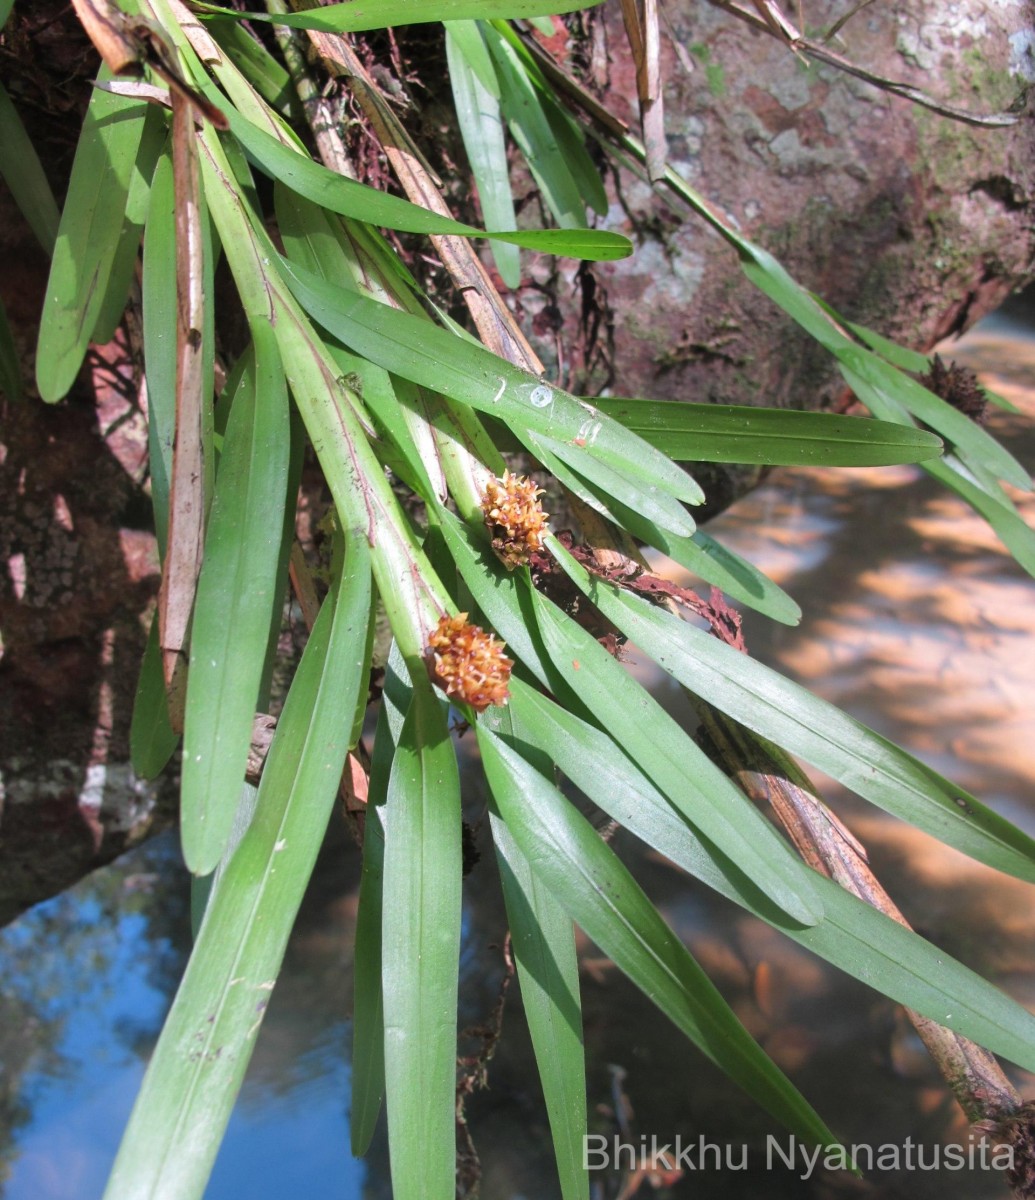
<point>903,219</point>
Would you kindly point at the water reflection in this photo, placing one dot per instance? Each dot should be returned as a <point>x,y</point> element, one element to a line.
<point>916,622</point>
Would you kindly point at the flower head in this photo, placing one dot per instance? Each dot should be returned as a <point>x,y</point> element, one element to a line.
<point>469,663</point>
<point>515,518</point>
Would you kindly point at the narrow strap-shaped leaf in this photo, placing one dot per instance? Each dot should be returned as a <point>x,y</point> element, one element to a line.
<point>152,739</point>
<point>898,356</point>
<point>467,40</point>
<point>368,1026</point>
<point>522,108</point>
<point>871,375</point>
<point>770,436</point>
<point>159,320</point>
<point>585,876</point>
<point>871,378</point>
<point>548,970</point>
<point>375,387</point>
<point>443,362</point>
<point>200,1060</point>
<point>238,593</point>
<point>481,126</point>
<point>256,64</point>
<point>88,237</point>
<point>698,553</point>
<point>364,203</point>
<point>1007,523</point>
<point>627,488</point>
<point>792,717</point>
<point>332,413</point>
<point>582,668</point>
<point>124,262</point>
<point>567,134</point>
<point>741,580</point>
<point>853,936</point>
<point>874,373</point>
<point>572,144</point>
<point>359,15</point>
<point>421,951</point>
<point>22,172</point>
<point>910,360</point>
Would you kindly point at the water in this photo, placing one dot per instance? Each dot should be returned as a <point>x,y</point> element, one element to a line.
<point>916,622</point>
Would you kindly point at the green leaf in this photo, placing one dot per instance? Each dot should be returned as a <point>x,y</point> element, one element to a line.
<point>5,11</point>
<point>585,876</point>
<point>803,724</point>
<point>566,132</point>
<point>739,579</point>
<point>359,15</point>
<point>124,262</point>
<point>379,395</point>
<point>770,436</point>
<point>333,414</point>
<point>522,108</point>
<point>548,970</point>
<point>481,126</point>
<point>159,321</point>
<point>874,380</point>
<point>362,203</point>
<point>998,510</point>
<point>256,64</point>
<point>368,1026</point>
<point>898,356</point>
<point>441,361</point>
<point>421,951</point>
<point>467,39</point>
<point>543,941</point>
<point>619,489</point>
<point>582,668</point>
<point>23,174</point>
<point>207,1040</point>
<point>853,936</point>
<point>238,578</point>
<point>152,739</point>
<point>88,237</point>
<point>572,145</point>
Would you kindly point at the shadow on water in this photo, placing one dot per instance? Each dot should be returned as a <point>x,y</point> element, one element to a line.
<point>915,621</point>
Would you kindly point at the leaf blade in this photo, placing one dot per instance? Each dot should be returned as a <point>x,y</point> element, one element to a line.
<point>852,936</point>
<point>420,934</point>
<point>88,238</point>
<point>771,437</point>
<point>600,894</point>
<point>238,576</point>
<point>197,1067</point>
<point>803,724</point>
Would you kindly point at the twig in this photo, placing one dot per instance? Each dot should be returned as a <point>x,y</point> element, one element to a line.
<point>771,20</point>
<point>767,775</point>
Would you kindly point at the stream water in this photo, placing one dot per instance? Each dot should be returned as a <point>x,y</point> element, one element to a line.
<point>916,622</point>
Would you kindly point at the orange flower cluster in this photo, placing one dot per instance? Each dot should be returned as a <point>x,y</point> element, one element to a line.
<point>515,517</point>
<point>469,663</point>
